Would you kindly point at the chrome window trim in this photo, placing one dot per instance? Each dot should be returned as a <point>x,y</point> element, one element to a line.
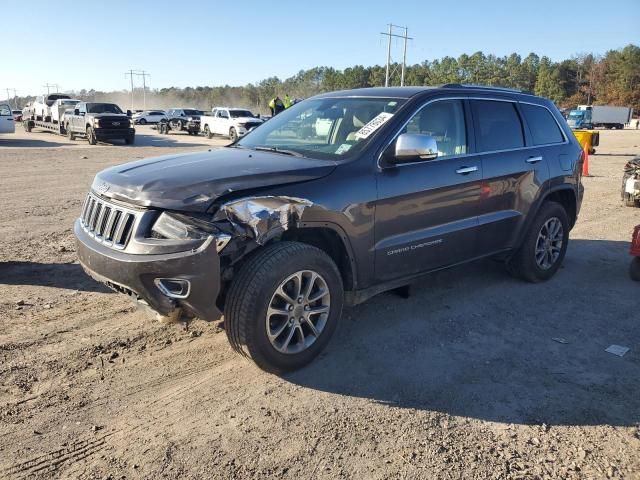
<point>439,99</point>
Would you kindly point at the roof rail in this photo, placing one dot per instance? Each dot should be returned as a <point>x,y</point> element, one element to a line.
<point>481,87</point>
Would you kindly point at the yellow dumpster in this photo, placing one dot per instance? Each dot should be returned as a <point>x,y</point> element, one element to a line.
<point>588,138</point>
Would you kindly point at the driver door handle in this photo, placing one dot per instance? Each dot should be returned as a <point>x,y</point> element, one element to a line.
<point>534,159</point>
<point>466,170</point>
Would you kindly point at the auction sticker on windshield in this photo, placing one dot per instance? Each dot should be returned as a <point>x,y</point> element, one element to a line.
<point>373,125</point>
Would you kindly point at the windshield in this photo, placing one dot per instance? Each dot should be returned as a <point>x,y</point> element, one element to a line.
<point>191,112</point>
<point>69,102</point>
<point>240,113</point>
<point>103,108</point>
<point>324,127</point>
<point>576,113</point>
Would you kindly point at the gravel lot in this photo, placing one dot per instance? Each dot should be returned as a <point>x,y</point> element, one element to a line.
<point>463,380</point>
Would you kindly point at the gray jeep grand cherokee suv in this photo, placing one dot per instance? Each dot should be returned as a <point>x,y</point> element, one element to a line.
<point>340,197</point>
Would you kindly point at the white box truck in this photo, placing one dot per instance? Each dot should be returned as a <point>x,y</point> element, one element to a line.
<point>592,116</point>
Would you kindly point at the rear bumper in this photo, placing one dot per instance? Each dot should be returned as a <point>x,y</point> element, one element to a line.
<point>108,133</point>
<point>136,275</point>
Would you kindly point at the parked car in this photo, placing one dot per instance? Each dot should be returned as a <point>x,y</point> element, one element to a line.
<point>231,122</point>
<point>40,108</point>
<point>17,115</point>
<point>7,122</point>
<point>182,119</point>
<point>280,231</point>
<point>148,116</point>
<point>99,122</point>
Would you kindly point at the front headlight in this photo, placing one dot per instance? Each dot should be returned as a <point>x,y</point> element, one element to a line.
<point>96,122</point>
<point>176,226</point>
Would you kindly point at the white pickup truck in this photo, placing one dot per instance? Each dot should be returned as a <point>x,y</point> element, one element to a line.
<point>231,122</point>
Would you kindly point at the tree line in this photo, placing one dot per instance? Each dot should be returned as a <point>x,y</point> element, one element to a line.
<point>609,79</point>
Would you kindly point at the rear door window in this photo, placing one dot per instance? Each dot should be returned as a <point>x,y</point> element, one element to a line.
<point>544,129</point>
<point>497,125</point>
<point>5,110</point>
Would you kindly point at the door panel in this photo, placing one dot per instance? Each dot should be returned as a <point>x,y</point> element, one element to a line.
<point>426,214</point>
<point>513,173</point>
<point>7,124</point>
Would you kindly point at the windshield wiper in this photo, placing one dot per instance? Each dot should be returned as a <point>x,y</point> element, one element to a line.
<point>278,150</point>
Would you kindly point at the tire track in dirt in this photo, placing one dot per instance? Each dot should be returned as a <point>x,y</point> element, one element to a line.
<point>49,462</point>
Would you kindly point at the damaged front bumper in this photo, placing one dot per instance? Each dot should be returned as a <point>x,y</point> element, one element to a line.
<point>166,282</point>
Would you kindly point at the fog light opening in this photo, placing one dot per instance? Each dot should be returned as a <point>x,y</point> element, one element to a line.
<point>174,287</point>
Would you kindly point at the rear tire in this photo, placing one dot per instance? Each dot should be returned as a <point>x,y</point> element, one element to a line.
<point>91,136</point>
<point>254,326</point>
<point>544,247</point>
<point>634,269</point>
<point>142,121</point>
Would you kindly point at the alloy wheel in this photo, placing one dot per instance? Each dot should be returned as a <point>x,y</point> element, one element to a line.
<point>298,312</point>
<point>549,243</point>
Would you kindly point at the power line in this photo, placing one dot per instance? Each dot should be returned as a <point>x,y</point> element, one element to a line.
<point>389,36</point>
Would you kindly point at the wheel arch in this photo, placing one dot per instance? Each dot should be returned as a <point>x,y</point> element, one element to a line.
<point>565,195</point>
<point>332,240</point>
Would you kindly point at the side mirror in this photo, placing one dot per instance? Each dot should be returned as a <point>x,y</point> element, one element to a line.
<point>414,147</point>
<point>76,112</point>
<point>128,113</point>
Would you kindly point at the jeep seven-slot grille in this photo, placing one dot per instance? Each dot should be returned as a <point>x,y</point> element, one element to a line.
<point>109,224</point>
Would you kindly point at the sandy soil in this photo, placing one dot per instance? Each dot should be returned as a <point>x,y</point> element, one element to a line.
<point>463,380</point>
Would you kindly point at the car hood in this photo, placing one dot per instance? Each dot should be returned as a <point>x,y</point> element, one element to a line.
<point>193,181</point>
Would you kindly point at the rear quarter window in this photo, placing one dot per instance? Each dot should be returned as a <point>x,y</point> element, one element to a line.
<point>497,125</point>
<point>544,129</point>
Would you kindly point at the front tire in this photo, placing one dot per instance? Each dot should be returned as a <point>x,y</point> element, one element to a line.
<point>70,134</point>
<point>129,140</point>
<point>284,305</point>
<point>207,132</point>
<point>630,201</point>
<point>544,247</point>
<point>233,134</point>
<point>91,136</point>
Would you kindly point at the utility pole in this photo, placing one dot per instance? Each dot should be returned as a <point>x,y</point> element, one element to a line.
<point>15,99</point>
<point>386,78</point>
<point>390,34</point>
<point>131,74</point>
<point>144,75</point>
<point>404,57</point>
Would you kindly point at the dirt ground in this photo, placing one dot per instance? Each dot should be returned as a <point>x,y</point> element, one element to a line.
<point>463,380</point>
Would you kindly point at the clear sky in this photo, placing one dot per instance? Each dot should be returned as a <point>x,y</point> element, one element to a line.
<point>90,44</point>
